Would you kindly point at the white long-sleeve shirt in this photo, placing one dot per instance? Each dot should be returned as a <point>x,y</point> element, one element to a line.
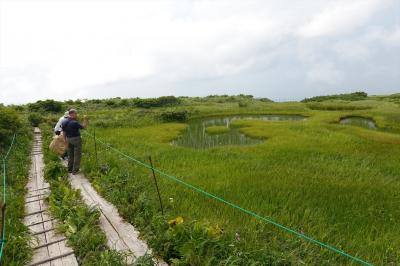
<point>59,124</point>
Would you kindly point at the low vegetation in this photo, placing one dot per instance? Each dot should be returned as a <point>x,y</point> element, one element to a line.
<point>157,102</point>
<point>35,119</point>
<point>174,116</point>
<point>336,106</point>
<point>16,248</point>
<point>78,222</point>
<point>333,182</point>
<point>46,106</point>
<point>355,96</point>
<point>10,122</point>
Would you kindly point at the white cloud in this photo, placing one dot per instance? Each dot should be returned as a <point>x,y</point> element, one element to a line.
<point>67,49</point>
<point>341,17</point>
<point>324,72</point>
<point>390,38</point>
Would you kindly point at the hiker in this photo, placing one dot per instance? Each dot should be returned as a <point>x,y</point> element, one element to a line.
<point>71,129</point>
<point>57,128</point>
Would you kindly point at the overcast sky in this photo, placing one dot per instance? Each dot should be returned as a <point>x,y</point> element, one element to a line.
<point>282,49</point>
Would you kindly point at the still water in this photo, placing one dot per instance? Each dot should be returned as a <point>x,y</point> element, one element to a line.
<point>195,135</point>
<point>358,121</point>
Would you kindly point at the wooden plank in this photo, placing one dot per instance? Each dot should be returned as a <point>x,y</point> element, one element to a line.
<point>40,222</point>
<point>49,248</point>
<point>51,259</point>
<point>121,235</point>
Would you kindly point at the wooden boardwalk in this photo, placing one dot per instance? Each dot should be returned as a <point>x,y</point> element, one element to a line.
<point>121,235</point>
<point>50,248</point>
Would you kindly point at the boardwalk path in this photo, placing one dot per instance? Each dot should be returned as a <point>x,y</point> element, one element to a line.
<point>121,235</point>
<point>50,248</point>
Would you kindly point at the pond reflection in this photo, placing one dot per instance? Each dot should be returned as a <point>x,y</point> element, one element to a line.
<point>195,135</point>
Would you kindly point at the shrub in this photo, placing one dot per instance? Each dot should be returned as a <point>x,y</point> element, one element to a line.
<point>35,119</point>
<point>54,170</point>
<point>157,102</point>
<point>110,102</point>
<point>177,116</point>
<point>18,108</point>
<point>124,102</point>
<point>9,123</point>
<point>266,100</point>
<point>336,106</point>
<point>95,101</point>
<point>47,106</point>
<point>249,96</point>
<point>355,96</point>
<point>243,103</point>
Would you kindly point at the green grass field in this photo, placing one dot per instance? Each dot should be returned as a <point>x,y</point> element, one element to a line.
<point>336,183</point>
<point>293,163</point>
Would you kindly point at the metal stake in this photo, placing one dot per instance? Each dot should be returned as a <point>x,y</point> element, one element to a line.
<point>95,147</point>
<point>155,182</point>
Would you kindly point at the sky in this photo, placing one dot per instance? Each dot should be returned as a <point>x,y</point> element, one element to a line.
<point>283,50</point>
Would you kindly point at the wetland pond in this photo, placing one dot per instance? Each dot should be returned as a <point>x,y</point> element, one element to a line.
<point>358,121</point>
<point>196,136</point>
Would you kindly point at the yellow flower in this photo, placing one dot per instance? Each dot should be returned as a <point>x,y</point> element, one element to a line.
<point>179,220</point>
<point>214,230</point>
<point>176,221</point>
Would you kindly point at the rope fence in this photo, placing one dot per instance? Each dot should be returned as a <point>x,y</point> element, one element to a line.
<point>3,226</point>
<point>226,202</point>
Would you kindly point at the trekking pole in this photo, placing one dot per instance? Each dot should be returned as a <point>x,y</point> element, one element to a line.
<point>155,182</point>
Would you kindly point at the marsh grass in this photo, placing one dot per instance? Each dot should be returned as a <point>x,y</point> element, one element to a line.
<point>336,183</point>
<point>17,250</point>
<point>217,130</point>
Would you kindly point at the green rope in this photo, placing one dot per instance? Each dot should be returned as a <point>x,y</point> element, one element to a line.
<point>3,236</point>
<point>251,213</point>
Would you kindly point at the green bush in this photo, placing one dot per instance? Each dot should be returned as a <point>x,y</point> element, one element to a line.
<point>46,106</point>
<point>157,102</point>
<point>110,102</point>
<point>17,250</point>
<point>266,100</point>
<point>243,103</point>
<point>54,170</point>
<point>336,106</point>
<point>355,96</point>
<point>35,119</point>
<point>9,123</point>
<point>177,116</point>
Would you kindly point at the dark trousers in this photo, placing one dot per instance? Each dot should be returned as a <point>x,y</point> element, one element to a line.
<point>74,153</point>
